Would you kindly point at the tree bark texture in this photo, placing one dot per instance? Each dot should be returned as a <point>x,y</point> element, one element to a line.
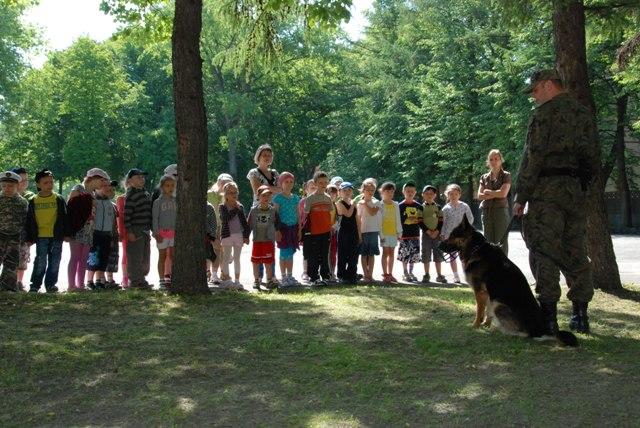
<point>622,182</point>
<point>189,275</point>
<point>571,63</point>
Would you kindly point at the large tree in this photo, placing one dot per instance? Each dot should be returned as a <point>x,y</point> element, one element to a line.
<point>191,124</point>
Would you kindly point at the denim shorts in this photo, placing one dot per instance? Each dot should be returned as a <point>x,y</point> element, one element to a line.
<point>388,241</point>
<point>369,245</point>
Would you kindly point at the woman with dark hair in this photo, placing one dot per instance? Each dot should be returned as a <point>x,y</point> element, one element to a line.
<point>493,190</point>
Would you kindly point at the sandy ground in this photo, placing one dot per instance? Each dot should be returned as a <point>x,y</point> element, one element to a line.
<point>626,248</point>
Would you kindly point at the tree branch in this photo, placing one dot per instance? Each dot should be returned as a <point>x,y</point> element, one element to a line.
<point>626,52</point>
<point>607,7</point>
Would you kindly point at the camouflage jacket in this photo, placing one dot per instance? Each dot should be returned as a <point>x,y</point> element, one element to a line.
<point>13,215</point>
<point>561,134</point>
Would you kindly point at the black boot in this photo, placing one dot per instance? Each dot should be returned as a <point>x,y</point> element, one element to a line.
<point>575,320</point>
<point>583,325</point>
<point>550,311</point>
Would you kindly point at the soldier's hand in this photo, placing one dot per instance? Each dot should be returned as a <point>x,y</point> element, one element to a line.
<point>518,209</point>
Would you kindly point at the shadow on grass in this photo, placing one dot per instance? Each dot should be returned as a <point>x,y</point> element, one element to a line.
<point>373,356</point>
<point>632,294</point>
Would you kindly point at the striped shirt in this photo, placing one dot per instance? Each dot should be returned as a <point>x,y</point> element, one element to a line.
<point>137,211</point>
<point>212,223</point>
<point>226,215</point>
<point>319,210</point>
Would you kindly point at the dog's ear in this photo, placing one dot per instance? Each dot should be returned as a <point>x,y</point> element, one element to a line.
<point>465,222</point>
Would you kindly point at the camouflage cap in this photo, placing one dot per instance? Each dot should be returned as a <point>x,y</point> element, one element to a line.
<point>540,76</point>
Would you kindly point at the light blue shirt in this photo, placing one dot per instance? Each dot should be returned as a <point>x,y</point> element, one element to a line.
<point>288,210</point>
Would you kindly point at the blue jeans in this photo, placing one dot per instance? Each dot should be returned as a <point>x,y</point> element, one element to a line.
<point>48,254</point>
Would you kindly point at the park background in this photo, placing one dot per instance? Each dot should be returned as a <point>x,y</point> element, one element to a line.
<point>422,93</point>
<point>408,91</point>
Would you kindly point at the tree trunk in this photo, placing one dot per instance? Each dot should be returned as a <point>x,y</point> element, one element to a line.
<point>571,62</point>
<point>191,128</point>
<point>622,183</point>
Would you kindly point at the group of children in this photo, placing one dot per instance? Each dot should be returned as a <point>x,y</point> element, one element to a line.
<point>333,227</point>
<point>91,222</point>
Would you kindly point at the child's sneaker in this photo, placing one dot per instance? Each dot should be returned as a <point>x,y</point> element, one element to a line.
<point>319,283</point>
<point>111,285</point>
<point>227,284</point>
<point>256,284</point>
<point>331,280</point>
<point>407,277</point>
<point>142,286</point>
<point>305,277</point>
<point>237,285</point>
<point>33,290</point>
<point>90,285</point>
<point>273,283</point>
<point>456,279</point>
<point>294,282</point>
<point>413,278</point>
<point>441,278</point>
<point>53,289</point>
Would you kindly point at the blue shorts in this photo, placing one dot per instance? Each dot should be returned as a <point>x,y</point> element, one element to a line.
<point>369,245</point>
<point>287,253</point>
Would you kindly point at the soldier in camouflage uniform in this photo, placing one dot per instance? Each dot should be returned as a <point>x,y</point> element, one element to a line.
<point>25,250</point>
<point>559,155</point>
<point>13,212</point>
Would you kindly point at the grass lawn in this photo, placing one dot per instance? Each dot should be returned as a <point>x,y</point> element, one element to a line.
<point>364,356</point>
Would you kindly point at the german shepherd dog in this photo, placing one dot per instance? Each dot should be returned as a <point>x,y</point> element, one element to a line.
<point>500,287</point>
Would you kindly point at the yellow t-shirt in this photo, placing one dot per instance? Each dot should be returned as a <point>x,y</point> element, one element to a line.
<point>46,214</point>
<point>389,220</point>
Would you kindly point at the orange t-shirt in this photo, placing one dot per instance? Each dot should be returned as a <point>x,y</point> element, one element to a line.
<point>319,209</point>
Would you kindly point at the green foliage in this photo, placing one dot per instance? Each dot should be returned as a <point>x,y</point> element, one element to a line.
<point>428,90</point>
<point>77,112</point>
<point>16,39</point>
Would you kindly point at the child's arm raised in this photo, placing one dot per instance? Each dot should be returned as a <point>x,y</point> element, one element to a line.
<point>371,210</point>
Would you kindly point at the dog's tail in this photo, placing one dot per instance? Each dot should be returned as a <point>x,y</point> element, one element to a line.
<point>567,338</point>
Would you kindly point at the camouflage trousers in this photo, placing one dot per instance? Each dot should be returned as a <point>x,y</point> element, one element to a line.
<point>555,234</point>
<point>9,259</point>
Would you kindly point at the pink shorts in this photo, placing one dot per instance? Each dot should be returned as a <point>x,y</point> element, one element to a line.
<point>167,233</point>
<point>235,240</point>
